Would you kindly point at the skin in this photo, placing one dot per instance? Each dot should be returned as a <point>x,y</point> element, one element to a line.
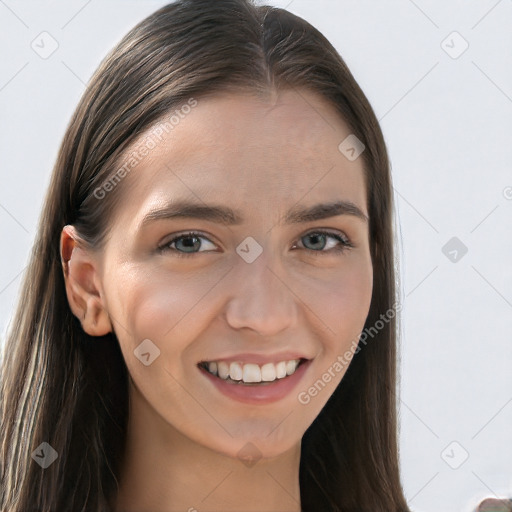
<point>495,505</point>
<point>262,156</point>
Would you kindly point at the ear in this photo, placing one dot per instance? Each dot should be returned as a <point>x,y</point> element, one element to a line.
<point>83,284</point>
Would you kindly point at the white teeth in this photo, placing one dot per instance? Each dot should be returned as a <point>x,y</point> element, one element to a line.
<point>235,371</point>
<point>223,370</point>
<point>251,372</point>
<point>281,370</point>
<point>268,372</point>
<point>291,366</point>
<point>212,367</point>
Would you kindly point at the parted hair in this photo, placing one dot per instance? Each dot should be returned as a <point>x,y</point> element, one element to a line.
<point>61,386</point>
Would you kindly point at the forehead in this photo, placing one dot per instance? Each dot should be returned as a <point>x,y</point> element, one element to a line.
<point>259,155</point>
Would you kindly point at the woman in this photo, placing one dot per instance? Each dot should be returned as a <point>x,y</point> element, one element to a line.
<point>252,368</point>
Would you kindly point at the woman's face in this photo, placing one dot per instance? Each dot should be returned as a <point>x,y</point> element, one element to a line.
<point>255,285</point>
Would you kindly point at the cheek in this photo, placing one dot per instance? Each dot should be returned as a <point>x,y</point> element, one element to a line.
<point>168,307</point>
<point>342,302</point>
<point>356,294</point>
<point>161,306</point>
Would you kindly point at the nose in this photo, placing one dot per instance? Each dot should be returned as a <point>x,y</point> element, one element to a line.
<point>263,300</point>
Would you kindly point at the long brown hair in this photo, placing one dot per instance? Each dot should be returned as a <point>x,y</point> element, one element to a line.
<point>70,390</point>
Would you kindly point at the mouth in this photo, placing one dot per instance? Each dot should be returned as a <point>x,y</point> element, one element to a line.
<point>252,374</point>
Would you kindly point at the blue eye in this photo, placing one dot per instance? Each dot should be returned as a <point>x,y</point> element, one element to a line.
<point>343,242</point>
<point>188,244</point>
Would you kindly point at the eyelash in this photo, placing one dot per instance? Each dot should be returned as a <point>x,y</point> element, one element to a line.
<point>345,243</point>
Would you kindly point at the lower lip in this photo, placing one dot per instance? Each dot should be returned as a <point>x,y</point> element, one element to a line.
<point>259,394</point>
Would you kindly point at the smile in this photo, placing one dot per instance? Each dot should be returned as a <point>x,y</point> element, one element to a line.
<point>251,373</point>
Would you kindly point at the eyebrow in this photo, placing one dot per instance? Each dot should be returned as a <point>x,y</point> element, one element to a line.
<point>227,216</point>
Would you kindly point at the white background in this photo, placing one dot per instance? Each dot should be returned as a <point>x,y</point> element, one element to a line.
<point>447,124</point>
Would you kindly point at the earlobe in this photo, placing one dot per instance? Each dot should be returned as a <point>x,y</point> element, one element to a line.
<point>83,284</point>
<point>95,320</point>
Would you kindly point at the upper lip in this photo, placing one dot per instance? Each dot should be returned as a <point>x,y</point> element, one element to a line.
<point>258,359</point>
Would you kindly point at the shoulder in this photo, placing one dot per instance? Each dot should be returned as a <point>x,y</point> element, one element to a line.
<point>495,505</point>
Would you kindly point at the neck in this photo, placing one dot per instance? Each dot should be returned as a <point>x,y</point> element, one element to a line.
<point>164,470</point>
